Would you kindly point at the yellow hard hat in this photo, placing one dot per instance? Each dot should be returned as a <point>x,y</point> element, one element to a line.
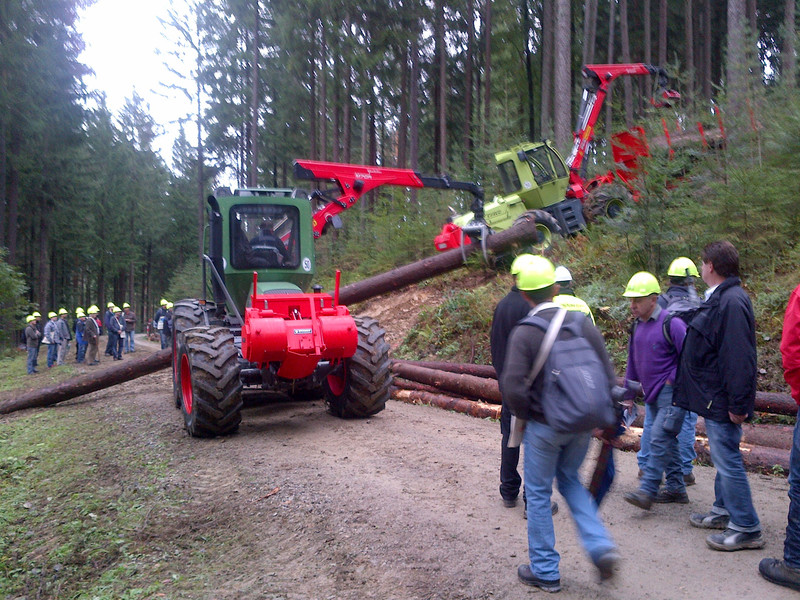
<point>520,262</point>
<point>51,314</point>
<point>535,274</point>
<point>62,311</point>
<point>163,302</point>
<point>169,305</point>
<point>78,310</point>
<point>682,267</point>
<point>642,284</point>
<point>93,310</point>
<point>116,309</point>
<point>36,314</point>
<point>29,318</point>
<point>109,305</point>
<point>126,305</point>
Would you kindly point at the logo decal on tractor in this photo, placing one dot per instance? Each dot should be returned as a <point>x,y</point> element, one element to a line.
<point>302,331</point>
<point>307,264</point>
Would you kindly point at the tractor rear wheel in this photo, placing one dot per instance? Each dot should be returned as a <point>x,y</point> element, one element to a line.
<point>359,387</point>
<point>186,314</point>
<point>211,392</point>
<point>606,201</point>
<point>547,228</point>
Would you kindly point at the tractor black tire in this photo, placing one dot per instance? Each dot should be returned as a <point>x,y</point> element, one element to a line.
<point>211,392</point>
<point>606,201</point>
<point>186,314</point>
<point>546,226</point>
<point>360,387</point>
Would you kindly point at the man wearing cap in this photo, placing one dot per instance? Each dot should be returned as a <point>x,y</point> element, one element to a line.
<point>130,327</point>
<point>79,327</point>
<point>52,337</point>
<point>566,297</point>
<point>653,361</point>
<point>717,380</point>
<point>551,454</point>
<point>32,337</point>
<point>161,323</point>
<point>66,335</point>
<point>91,333</point>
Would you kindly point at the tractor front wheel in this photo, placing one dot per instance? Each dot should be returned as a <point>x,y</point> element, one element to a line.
<point>547,228</point>
<point>606,201</point>
<point>186,314</point>
<point>208,375</point>
<point>359,386</point>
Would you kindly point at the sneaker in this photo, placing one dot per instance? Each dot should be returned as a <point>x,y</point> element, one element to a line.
<point>709,521</point>
<point>509,502</point>
<point>777,571</point>
<point>605,564</point>
<point>689,479</point>
<point>528,578</point>
<point>639,498</point>
<point>665,496</point>
<point>731,540</point>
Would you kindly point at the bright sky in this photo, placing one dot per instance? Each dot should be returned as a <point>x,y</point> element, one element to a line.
<point>122,39</point>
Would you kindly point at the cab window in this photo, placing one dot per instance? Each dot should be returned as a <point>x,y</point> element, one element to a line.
<point>509,177</point>
<point>264,236</point>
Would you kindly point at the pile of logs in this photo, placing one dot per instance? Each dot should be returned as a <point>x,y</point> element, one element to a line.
<point>473,389</point>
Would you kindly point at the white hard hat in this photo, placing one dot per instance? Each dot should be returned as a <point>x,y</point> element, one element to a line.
<point>563,274</point>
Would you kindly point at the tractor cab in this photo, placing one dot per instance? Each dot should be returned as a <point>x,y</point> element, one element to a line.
<point>267,231</point>
<point>534,172</point>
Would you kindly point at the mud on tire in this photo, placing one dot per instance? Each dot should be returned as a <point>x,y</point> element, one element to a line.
<point>360,386</point>
<point>211,392</point>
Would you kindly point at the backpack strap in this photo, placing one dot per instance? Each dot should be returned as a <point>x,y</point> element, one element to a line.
<point>547,344</point>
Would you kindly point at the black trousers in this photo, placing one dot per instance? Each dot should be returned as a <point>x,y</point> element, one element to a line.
<point>510,481</point>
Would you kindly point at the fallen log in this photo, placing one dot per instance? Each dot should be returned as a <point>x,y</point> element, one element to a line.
<point>472,408</point>
<point>407,384</point>
<point>468,385</point>
<point>91,382</point>
<point>486,371</point>
<point>521,234</point>
<point>775,403</point>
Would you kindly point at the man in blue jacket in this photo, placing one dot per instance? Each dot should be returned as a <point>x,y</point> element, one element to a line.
<point>717,380</point>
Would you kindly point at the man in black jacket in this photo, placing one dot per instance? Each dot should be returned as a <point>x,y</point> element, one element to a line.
<point>717,380</point>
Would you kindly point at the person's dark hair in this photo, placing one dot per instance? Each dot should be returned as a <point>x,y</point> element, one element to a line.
<point>542,295</point>
<point>723,256</point>
<point>678,281</point>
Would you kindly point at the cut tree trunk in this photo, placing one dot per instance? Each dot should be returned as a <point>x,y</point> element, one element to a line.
<point>468,407</point>
<point>90,382</point>
<point>468,385</point>
<point>486,371</point>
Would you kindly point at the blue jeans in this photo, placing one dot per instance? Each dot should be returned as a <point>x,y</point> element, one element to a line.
<point>664,456</point>
<point>129,343</point>
<point>164,338</point>
<point>731,488</point>
<point>81,352</point>
<point>52,354</point>
<point>550,454</point>
<point>791,546</point>
<point>32,352</point>
<point>686,440</point>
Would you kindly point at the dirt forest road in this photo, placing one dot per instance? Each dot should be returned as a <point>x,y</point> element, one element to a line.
<point>404,505</point>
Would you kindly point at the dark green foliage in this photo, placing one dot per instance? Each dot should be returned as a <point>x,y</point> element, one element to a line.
<point>12,301</point>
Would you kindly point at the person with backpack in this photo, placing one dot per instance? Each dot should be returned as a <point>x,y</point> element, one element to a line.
<point>557,380</point>
<point>786,571</point>
<point>681,299</point>
<point>653,361</point>
<point>717,379</point>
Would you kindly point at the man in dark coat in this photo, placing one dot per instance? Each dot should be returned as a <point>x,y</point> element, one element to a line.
<point>717,380</point>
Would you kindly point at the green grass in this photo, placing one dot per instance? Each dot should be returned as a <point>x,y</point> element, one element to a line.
<point>14,372</point>
<point>73,514</point>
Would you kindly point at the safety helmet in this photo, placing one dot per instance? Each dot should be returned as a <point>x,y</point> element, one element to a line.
<point>563,275</point>
<point>51,314</point>
<point>519,263</point>
<point>536,274</point>
<point>109,305</point>
<point>80,313</point>
<point>642,284</point>
<point>116,309</point>
<point>169,305</point>
<point>62,311</point>
<point>93,310</point>
<point>36,314</point>
<point>79,309</point>
<point>163,302</point>
<point>29,318</point>
<point>126,305</point>
<point>682,267</point>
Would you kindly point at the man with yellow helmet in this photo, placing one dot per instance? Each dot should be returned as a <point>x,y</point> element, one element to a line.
<point>91,333</point>
<point>32,337</point>
<point>550,453</point>
<point>66,335</point>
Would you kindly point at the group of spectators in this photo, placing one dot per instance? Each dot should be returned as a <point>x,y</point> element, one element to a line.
<point>687,356</point>
<point>57,333</point>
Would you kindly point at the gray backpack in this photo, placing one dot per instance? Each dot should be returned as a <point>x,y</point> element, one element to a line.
<point>576,393</point>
